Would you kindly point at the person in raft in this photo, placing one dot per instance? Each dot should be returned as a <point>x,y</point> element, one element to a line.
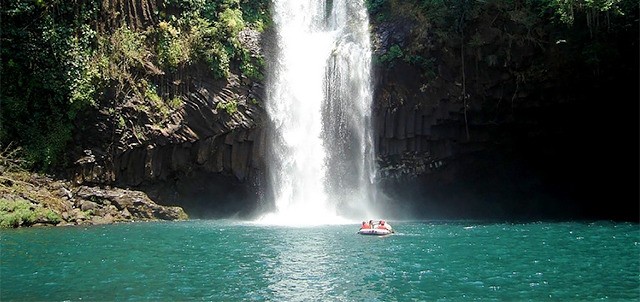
<point>382,225</point>
<point>365,225</point>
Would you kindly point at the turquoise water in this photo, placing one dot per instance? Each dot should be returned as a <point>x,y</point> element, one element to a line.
<point>234,261</point>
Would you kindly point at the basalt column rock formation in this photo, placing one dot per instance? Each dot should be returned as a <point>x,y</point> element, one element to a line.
<point>496,111</point>
<point>204,153</point>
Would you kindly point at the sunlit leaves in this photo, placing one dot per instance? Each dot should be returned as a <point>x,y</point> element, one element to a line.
<point>566,9</point>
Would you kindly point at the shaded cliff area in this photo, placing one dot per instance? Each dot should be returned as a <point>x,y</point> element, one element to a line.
<point>482,109</point>
<point>508,109</point>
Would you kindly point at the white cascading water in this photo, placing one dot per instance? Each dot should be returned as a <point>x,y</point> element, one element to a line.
<point>321,162</point>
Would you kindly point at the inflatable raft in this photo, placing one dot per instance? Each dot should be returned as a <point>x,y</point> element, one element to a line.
<point>375,228</point>
<point>375,232</point>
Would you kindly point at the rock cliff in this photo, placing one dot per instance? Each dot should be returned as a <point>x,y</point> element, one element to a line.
<point>204,151</point>
<point>201,140</point>
<point>503,114</point>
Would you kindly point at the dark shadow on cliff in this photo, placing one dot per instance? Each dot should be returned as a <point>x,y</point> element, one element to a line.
<point>579,170</point>
<point>206,196</point>
<point>575,158</point>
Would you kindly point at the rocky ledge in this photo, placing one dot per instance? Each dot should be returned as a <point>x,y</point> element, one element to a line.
<point>35,200</point>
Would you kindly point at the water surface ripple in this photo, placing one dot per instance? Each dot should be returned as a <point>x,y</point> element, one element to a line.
<point>235,261</point>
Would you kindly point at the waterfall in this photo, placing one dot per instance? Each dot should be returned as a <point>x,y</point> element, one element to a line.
<point>321,157</point>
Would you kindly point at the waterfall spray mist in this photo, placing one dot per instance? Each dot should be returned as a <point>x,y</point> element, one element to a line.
<point>321,161</point>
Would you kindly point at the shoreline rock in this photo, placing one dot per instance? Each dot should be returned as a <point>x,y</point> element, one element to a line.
<point>36,200</point>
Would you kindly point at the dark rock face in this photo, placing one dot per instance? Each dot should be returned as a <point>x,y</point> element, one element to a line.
<point>216,135</point>
<point>208,194</point>
<point>509,131</point>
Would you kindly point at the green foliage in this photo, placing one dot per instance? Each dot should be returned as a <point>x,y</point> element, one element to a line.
<point>426,65</point>
<point>173,48</point>
<point>252,67</point>
<point>158,104</point>
<point>208,45</point>
<point>211,30</point>
<point>378,9</point>
<point>232,21</point>
<point>150,93</point>
<point>436,10</point>
<point>175,103</point>
<point>567,9</point>
<point>46,148</point>
<point>122,51</point>
<point>16,213</point>
<point>256,14</point>
<point>489,32</point>
<point>388,58</point>
<point>230,107</point>
<point>58,60</point>
<point>81,74</point>
<point>51,216</point>
<point>121,122</point>
<point>48,56</point>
